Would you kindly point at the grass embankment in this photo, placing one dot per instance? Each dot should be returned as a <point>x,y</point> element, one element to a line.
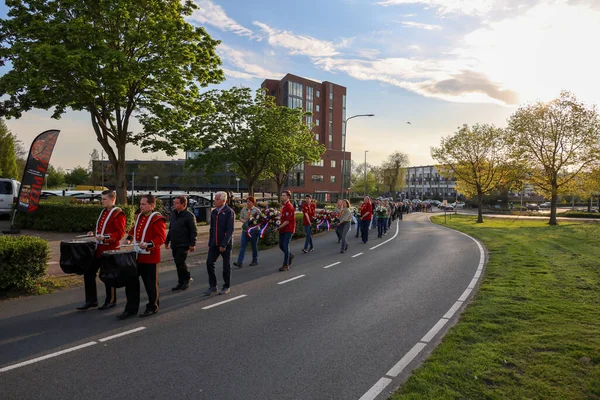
<point>533,329</point>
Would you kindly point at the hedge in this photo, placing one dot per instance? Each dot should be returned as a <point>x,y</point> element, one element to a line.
<point>579,214</point>
<point>23,260</point>
<point>59,216</point>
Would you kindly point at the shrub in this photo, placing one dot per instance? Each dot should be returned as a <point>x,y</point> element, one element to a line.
<point>70,217</point>
<point>23,261</point>
<point>579,214</point>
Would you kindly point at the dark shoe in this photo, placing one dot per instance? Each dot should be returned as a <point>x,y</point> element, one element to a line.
<point>342,251</point>
<point>291,258</point>
<point>284,267</point>
<point>87,306</point>
<point>185,285</point>
<point>126,314</point>
<point>311,248</point>
<point>106,306</point>
<point>177,287</point>
<point>224,290</point>
<point>238,264</point>
<point>346,248</point>
<point>148,313</point>
<point>253,263</point>
<point>211,290</point>
<point>339,240</point>
<point>304,251</point>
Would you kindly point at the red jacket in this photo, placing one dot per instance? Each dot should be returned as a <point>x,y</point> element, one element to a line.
<point>366,207</point>
<point>114,226</point>
<point>288,214</point>
<point>156,234</point>
<point>311,210</point>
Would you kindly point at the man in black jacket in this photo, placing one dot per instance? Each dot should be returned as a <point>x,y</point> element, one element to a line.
<point>181,238</point>
<point>220,243</point>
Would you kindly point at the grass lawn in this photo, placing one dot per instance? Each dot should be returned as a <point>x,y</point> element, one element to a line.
<point>532,330</point>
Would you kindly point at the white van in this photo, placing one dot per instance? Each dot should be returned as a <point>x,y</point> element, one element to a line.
<point>9,190</point>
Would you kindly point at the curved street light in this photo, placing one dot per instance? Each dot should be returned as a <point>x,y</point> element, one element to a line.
<point>344,146</point>
<point>156,183</point>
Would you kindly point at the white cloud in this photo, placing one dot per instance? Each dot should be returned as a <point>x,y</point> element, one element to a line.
<point>247,62</point>
<point>419,25</point>
<point>469,7</point>
<point>213,14</point>
<point>299,44</point>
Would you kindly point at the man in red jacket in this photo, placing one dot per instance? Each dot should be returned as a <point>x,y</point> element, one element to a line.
<point>309,210</point>
<point>110,229</point>
<point>366,214</point>
<point>148,233</point>
<point>286,229</point>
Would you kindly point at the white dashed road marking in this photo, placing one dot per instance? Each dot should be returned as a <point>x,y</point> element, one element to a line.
<point>289,280</point>
<point>223,302</point>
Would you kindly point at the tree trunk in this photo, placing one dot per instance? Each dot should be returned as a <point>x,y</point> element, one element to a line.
<point>553,220</point>
<point>479,207</point>
<point>250,187</point>
<point>121,179</point>
<point>590,204</point>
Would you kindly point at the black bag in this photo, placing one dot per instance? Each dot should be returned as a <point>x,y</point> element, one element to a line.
<point>76,256</point>
<point>118,267</point>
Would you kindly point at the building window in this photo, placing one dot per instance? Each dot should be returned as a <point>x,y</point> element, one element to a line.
<point>317,178</point>
<point>294,89</point>
<point>309,93</point>
<point>332,179</point>
<point>318,163</point>
<point>317,137</point>
<point>316,122</point>
<point>294,102</point>
<point>330,95</point>
<point>318,108</point>
<point>318,93</point>
<point>333,164</point>
<point>309,121</point>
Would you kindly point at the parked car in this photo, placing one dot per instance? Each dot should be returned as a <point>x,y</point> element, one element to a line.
<point>9,191</point>
<point>460,204</point>
<point>547,204</point>
<point>533,207</point>
<point>448,207</point>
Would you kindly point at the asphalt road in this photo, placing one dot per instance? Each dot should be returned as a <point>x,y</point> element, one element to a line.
<point>331,333</point>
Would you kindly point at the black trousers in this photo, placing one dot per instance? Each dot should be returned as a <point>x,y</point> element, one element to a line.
<point>180,256</point>
<point>89,280</point>
<point>149,274</point>
<point>213,253</point>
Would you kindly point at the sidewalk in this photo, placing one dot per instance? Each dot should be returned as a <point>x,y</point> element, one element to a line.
<point>54,239</point>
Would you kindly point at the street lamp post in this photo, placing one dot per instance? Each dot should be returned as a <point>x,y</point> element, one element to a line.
<point>238,184</point>
<point>366,151</point>
<point>344,146</point>
<point>156,183</point>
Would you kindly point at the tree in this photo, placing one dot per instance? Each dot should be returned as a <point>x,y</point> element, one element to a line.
<point>113,59</point>
<point>556,140</point>
<point>393,171</point>
<point>56,177</point>
<point>78,176</point>
<point>478,157</point>
<point>8,157</point>
<point>237,132</point>
<point>358,185</point>
<point>293,143</point>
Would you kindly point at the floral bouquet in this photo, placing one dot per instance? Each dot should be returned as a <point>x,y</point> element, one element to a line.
<point>380,212</point>
<point>326,219</point>
<point>266,219</point>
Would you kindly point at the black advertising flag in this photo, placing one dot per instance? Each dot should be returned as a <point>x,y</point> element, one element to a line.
<point>35,171</point>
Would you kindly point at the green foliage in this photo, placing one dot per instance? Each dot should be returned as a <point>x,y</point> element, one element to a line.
<point>55,215</point>
<point>234,132</point>
<point>22,261</point>
<point>8,157</point>
<point>78,176</point>
<point>272,238</point>
<point>393,172</point>
<point>579,214</point>
<point>113,59</point>
<point>56,177</point>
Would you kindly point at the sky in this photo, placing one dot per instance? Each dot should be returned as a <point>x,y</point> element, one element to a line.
<point>437,64</point>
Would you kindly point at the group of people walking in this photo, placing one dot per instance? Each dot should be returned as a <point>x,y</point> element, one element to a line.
<point>149,233</point>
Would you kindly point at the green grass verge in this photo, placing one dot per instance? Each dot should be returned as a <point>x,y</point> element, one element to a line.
<point>532,330</point>
<point>45,285</point>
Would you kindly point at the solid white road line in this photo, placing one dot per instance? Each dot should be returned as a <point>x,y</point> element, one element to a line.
<point>453,310</point>
<point>356,255</point>
<point>223,302</point>
<point>433,331</point>
<point>333,265</point>
<point>465,294</point>
<point>289,280</point>
<point>47,356</point>
<point>390,239</point>
<point>118,335</point>
<point>376,389</point>
<point>404,361</point>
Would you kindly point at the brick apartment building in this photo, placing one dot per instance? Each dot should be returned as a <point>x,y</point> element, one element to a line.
<point>327,102</point>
